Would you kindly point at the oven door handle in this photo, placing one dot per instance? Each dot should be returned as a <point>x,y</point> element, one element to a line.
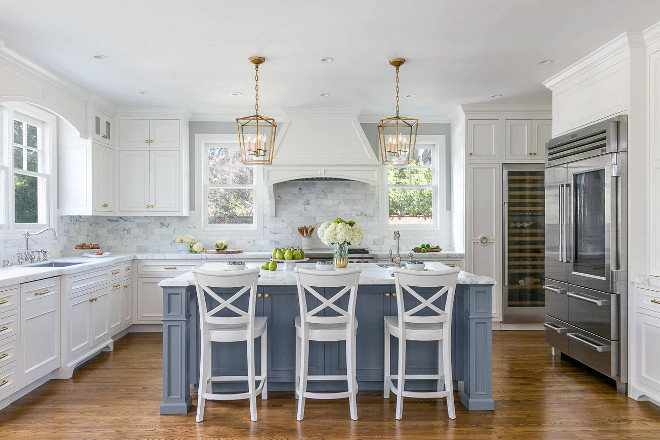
<point>555,327</point>
<point>590,299</point>
<point>600,348</point>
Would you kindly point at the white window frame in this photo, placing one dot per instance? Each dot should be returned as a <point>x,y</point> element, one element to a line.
<point>8,227</point>
<point>201,190</point>
<point>440,225</point>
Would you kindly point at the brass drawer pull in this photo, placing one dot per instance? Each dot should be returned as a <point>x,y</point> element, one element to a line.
<point>105,205</point>
<point>4,382</point>
<point>114,286</point>
<point>126,286</point>
<point>115,272</point>
<point>4,328</point>
<point>4,301</point>
<point>92,299</point>
<point>655,301</point>
<point>3,355</point>
<point>43,292</point>
<point>170,268</point>
<point>127,269</point>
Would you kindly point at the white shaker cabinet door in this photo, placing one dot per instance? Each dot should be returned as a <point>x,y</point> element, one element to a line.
<point>134,133</point>
<point>165,181</point>
<point>483,139</point>
<point>127,304</point>
<point>103,174</point>
<point>40,338</point>
<point>164,133</point>
<point>149,301</point>
<point>484,237</point>
<point>79,339</point>
<point>134,181</point>
<point>541,134</point>
<point>518,140</point>
<point>116,308</point>
<point>100,317</point>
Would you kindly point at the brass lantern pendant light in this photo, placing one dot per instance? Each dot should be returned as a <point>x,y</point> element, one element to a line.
<point>397,135</point>
<point>256,133</point>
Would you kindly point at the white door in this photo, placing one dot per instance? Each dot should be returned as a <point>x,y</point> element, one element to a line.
<point>79,326</point>
<point>103,169</point>
<point>149,301</point>
<point>483,139</point>
<point>541,134</point>
<point>127,305</point>
<point>484,213</point>
<point>134,133</point>
<point>134,181</point>
<point>116,306</point>
<point>165,181</point>
<point>164,133</point>
<point>40,338</point>
<point>518,142</point>
<point>100,317</point>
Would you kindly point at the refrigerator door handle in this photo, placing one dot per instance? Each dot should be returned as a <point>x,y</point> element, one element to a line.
<point>568,223</point>
<point>561,222</point>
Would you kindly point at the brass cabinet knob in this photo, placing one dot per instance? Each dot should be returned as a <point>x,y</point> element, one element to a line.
<point>126,286</point>
<point>115,272</point>
<point>529,154</point>
<point>394,294</point>
<point>4,328</point>
<point>146,141</point>
<point>114,286</point>
<point>146,206</point>
<point>387,294</point>
<point>266,295</point>
<point>258,295</point>
<point>3,355</point>
<point>105,205</point>
<point>4,382</point>
<point>469,154</point>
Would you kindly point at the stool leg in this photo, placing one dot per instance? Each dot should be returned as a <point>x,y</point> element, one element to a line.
<point>264,364</point>
<point>449,386</point>
<point>304,349</point>
<point>386,366</point>
<point>350,374</point>
<point>402,375</point>
<point>296,384</point>
<point>253,395</point>
<point>203,378</point>
<point>440,366</point>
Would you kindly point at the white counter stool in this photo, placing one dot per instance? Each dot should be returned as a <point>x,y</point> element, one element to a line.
<point>434,325</point>
<point>241,325</point>
<point>311,325</point>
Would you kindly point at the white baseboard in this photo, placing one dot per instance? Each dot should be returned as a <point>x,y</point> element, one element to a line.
<point>27,389</point>
<point>532,326</point>
<point>146,328</point>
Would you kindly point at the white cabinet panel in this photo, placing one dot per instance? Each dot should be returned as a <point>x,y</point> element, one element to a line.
<point>165,180</point>
<point>541,134</point>
<point>133,180</point>
<point>164,133</point>
<point>518,143</point>
<point>649,362</point>
<point>133,133</point>
<point>103,177</point>
<point>654,164</point>
<point>40,338</point>
<point>127,304</point>
<point>149,301</point>
<point>116,308</point>
<point>484,184</point>
<point>100,317</point>
<point>79,338</point>
<point>483,139</point>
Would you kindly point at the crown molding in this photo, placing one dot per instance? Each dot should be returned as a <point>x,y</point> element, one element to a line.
<point>22,61</point>
<point>613,47</point>
<point>504,108</point>
<point>652,34</point>
<point>153,112</point>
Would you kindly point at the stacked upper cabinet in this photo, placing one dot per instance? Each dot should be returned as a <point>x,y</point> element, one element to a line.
<point>153,166</point>
<point>492,139</point>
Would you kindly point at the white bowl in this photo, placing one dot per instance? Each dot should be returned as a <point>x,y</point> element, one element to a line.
<point>325,265</point>
<point>235,265</point>
<point>415,265</point>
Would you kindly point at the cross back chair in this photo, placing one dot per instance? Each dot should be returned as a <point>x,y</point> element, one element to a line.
<point>314,324</point>
<point>421,318</point>
<point>236,324</point>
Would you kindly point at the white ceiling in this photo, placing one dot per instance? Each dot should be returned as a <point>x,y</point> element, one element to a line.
<point>193,53</point>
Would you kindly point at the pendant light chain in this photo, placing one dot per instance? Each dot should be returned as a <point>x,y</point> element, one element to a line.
<point>256,89</point>
<point>397,90</point>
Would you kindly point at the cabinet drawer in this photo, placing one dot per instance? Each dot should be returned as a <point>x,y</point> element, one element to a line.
<point>83,282</point>
<point>8,380</point>
<point>599,353</point>
<point>8,299</point>
<point>39,289</point>
<point>9,325</point>
<point>593,311</point>
<point>165,268</point>
<point>8,352</point>
<point>556,333</point>
<point>648,300</point>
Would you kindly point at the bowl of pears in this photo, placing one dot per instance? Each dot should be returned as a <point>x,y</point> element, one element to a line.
<point>288,256</point>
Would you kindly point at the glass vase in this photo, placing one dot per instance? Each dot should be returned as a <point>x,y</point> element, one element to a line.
<point>340,254</point>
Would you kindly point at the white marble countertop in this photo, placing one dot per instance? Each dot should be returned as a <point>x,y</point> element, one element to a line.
<point>371,274</point>
<point>646,280</point>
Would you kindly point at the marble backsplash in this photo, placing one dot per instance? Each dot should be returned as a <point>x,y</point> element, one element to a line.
<point>297,204</point>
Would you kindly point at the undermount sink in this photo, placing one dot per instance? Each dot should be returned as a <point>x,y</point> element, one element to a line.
<point>55,264</point>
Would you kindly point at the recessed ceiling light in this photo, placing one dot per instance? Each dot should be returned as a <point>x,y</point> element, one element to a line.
<point>545,62</point>
<point>327,60</point>
<point>100,57</point>
<point>324,94</point>
<point>235,93</point>
<point>496,95</point>
<point>143,92</point>
<point>412,95</point>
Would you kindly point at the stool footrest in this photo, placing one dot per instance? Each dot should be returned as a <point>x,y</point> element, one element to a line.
<point>234,378</point>
<point>328,377</point>
<point>332,395</point>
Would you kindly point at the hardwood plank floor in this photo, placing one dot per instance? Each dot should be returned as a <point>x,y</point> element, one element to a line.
<point>117,396</point>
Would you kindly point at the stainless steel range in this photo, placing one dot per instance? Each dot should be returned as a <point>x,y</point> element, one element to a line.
<point>355,255</point>
<point>586,247</point>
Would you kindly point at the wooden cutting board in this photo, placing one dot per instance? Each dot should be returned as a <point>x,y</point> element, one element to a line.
<point>226,251</point>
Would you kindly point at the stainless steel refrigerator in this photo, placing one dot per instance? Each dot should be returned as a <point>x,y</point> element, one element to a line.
<point>523,243</point>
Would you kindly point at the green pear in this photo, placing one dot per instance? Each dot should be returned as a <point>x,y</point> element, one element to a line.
<point>274,254</point>
<point>279,255</point>
<point>272,265</point>
<point>288,255</point>
<point>297,255</point>
<point>302,253</point>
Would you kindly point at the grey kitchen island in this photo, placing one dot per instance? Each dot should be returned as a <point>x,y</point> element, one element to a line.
<point>277,299</point>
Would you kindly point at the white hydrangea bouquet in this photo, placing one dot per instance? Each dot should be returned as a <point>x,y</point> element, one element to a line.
<point>183,243</point>
<point>340,234</point>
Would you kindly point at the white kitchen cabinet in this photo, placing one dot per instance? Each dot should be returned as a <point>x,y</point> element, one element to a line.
<point>541,134</point>
<point>649,362</point>
<point>127,304</point>
<point>103,178</point>
<point>164,183</point>
<point>484,192</point>
<point>78,330</point>
<point>518,139</point>
<point>149,301</point>
<point>134,181</point>
<point>149,134</point>
<point>100,315</point>
<point>116,308</point>
<point>103,127</point>
<point>654,162</point>
<point>483,139</point>
<point>644,380</point>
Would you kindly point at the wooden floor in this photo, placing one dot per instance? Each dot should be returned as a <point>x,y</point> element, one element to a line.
<point>117,396</point>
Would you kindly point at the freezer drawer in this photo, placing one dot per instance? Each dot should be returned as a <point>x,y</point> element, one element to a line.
<point>556,332</point>
<point>593,311</point>
<point>599,353</point>
<point>556,301</point>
